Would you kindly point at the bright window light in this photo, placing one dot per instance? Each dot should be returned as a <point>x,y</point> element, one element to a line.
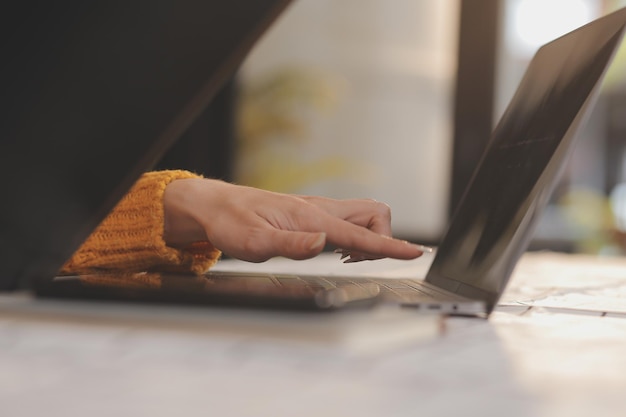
<point>535,22</point>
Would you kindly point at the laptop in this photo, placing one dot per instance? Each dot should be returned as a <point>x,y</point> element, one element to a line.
<point>488,233</point>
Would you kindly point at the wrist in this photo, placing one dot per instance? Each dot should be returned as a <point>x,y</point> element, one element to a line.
<point>180,228</point>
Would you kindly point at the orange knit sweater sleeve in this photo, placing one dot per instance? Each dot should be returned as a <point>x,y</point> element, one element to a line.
<point>131,237</point>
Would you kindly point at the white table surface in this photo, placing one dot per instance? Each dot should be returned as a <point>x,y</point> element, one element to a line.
<point>556,347</point>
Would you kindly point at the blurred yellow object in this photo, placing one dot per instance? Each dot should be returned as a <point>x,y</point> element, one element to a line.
<point>589,211</point>
<point>615,74</point>
<point>275,118</point>
<point>278,104</point>
<point>271,172</point>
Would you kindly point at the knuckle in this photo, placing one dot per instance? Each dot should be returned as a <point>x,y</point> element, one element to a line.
<point>381,209</point>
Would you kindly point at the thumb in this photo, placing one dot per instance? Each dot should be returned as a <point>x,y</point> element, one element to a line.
<point>299,245</point>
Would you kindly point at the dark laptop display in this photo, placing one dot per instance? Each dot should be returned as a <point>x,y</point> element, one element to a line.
<point>522,162</point>
<point>94,92</point>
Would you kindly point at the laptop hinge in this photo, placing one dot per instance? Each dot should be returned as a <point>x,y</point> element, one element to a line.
<point>463,289</point>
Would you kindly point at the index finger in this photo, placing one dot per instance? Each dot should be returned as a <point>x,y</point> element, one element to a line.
<point>353,238</point>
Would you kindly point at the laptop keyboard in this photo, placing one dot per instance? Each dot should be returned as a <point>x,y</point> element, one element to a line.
<point>413,293</point>
<point>402,290</point>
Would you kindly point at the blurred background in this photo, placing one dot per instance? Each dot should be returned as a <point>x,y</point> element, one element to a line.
<point>395,100</point>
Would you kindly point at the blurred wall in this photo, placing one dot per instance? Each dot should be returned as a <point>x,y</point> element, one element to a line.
<point>353,98</point>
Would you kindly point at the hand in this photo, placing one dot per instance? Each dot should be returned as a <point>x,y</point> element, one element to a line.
<point>255,225</point>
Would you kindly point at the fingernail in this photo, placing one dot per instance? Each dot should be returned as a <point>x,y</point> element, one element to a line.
<point>318,242</point>
<point>423,248</point>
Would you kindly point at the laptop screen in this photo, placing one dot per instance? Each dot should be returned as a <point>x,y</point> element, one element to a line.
<point>520,166</point>
<point>94,93</point>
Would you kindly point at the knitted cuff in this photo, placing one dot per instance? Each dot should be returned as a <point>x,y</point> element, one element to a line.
<point>131,237</point>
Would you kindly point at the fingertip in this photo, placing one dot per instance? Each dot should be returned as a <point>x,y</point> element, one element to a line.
<point>407,250</point>
<point>422,248</point>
